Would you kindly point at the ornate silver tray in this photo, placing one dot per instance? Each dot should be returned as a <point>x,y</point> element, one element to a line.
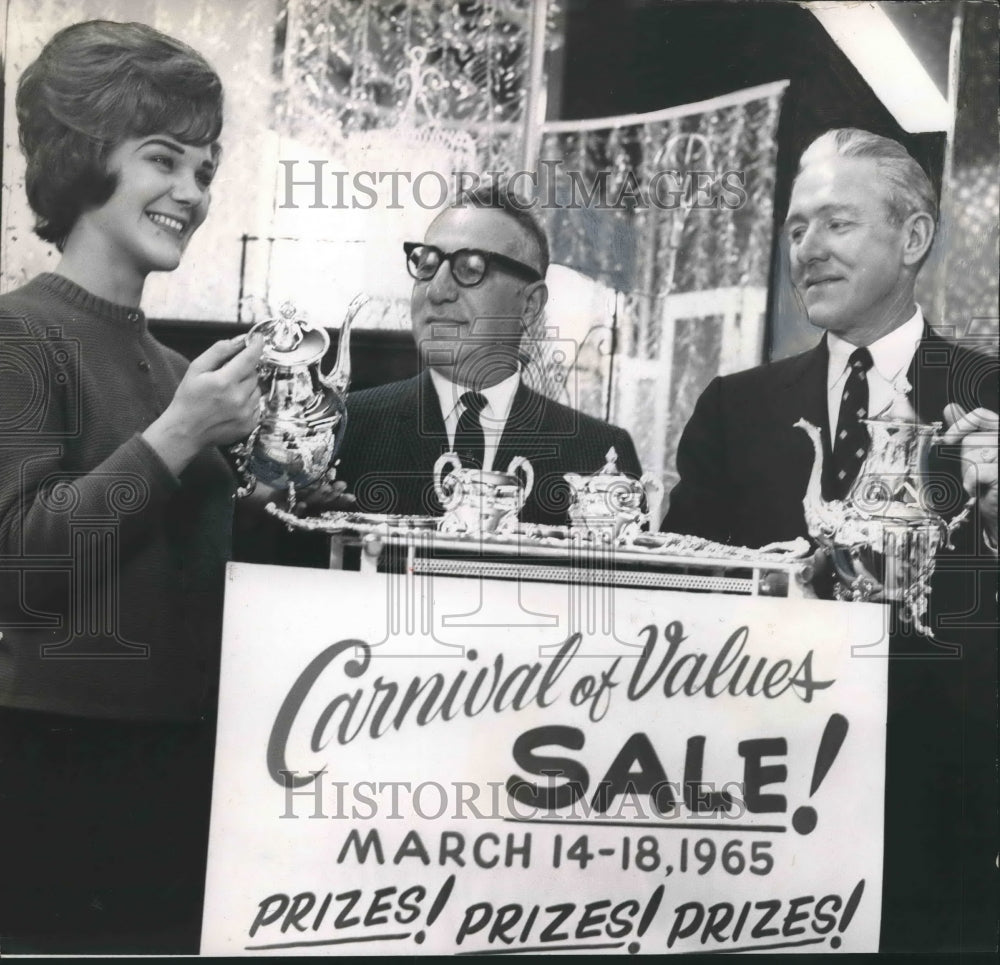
<point>524,546</point>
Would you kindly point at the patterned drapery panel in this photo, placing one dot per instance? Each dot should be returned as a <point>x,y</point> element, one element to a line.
<point>672,213</point>
<point>959,287</point>
<point>342,66</point>
<point>384,103</point>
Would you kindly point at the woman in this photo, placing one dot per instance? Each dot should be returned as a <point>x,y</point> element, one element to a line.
<point>115,507</point>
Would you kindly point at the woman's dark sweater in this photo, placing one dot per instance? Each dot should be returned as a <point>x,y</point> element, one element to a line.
<point>111,568</point>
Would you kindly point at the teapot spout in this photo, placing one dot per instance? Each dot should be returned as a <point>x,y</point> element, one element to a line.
<point>340,378</point>
<point>820,516</point>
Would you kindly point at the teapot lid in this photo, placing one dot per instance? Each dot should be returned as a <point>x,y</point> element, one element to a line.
<point>290,342</point>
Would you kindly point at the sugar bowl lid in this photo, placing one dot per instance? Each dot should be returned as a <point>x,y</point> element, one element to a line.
<point>609,476</point>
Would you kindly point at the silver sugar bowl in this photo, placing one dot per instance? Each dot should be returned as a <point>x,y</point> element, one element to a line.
<point>609,504</point>
<point>477,501</point>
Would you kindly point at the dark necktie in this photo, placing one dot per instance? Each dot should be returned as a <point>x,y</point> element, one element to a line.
<point>470,444</point>
<point>850,444</point>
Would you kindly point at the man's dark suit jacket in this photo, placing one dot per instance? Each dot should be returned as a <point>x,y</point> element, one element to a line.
<point>743,472</point>
<point>744,466</point>
<point>396,432</point>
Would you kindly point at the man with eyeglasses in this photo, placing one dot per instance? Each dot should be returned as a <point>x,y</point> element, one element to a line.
<point>478,290</point>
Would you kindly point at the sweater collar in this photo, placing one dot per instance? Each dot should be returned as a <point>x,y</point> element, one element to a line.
<point>85,301</point>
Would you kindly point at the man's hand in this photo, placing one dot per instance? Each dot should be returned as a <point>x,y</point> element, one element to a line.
<point>977,432</point>
<point>217,402</point>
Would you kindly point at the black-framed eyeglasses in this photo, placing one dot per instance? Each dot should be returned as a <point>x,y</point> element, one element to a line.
<point>469,266</point>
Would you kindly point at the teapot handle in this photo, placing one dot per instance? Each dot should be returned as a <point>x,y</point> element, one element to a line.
<point>957,520</point>
<point>519,462</point>
<point>451,496</point>
<point>243,451</point>
<point>962,515</point>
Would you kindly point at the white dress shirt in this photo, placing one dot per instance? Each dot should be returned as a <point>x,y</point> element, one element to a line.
<point>891,358</point>
<point>493,418</point>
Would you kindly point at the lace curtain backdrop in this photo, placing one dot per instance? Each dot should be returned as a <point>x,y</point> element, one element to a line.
<point>344,70</point>
<point>959,286</point>
<point>400,97</point>
<point>685,277</point>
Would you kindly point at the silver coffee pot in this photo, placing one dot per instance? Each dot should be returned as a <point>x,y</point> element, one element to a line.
<point>883,536</point>
<point>302,412</point>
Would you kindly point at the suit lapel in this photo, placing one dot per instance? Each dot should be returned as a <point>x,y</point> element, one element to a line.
<point>929,374</point>
<point>522,410</point>
<point>423,436</point>
<point>530,431</point>
<point>803,393</point>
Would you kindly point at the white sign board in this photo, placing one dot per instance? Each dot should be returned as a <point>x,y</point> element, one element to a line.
<point>424,764</point>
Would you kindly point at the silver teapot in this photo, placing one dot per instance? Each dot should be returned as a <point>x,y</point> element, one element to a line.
<point>883,536</point>
<point>302,412</point>
<point>476,501</point>
<point>609,504</point>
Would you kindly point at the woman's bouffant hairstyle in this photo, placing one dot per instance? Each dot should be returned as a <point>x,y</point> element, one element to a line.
<point>94,85</point>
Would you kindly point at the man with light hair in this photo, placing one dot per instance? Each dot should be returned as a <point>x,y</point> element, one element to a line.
<point>907,187</point>
<point>861,221</point>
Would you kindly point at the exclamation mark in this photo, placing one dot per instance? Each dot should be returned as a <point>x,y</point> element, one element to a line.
<point>442,899</point>
<point>804,818</point>
<point>849,909</point>
<point>652,907</point>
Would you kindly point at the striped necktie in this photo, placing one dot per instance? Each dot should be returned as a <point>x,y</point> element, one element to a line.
<point>850,444</point>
